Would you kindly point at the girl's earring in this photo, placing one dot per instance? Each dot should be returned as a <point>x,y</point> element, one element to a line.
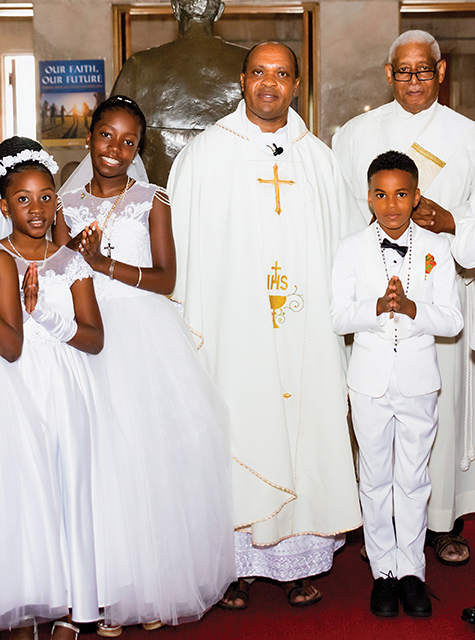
<point>133,161</point>
<point>55,215</point>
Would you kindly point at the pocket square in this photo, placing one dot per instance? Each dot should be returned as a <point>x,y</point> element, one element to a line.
<point>430,263</point>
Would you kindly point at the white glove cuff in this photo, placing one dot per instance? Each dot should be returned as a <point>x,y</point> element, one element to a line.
<point>61,328</point>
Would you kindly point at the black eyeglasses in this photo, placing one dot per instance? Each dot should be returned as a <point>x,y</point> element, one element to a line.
<point>422,76</point>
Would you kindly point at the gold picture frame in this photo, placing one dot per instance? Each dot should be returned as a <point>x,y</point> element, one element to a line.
<point>309,90</point>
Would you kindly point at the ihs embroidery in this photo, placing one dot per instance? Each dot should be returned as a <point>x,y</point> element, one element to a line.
<point>278,282</point>
<point>276,182</point>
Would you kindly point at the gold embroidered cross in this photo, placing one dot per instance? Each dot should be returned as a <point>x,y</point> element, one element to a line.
<point>276,182</point>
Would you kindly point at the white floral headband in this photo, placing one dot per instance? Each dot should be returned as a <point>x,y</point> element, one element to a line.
<point>28,154</point>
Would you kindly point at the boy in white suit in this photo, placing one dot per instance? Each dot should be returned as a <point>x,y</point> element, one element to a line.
<point>395,299</point>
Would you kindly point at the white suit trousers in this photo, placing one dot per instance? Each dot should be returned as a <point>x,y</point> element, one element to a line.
<point>395,436</point>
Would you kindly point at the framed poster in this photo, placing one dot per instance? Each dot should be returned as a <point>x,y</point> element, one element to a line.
<point>70,91</point>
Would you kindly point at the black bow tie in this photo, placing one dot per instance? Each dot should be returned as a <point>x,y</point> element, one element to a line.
<point>385,244</point>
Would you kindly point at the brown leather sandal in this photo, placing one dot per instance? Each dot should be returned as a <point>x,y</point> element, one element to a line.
<point>234,590</point>
<point>442,541</point>
<point>297,590</point>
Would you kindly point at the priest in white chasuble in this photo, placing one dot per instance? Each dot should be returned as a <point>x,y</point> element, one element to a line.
<point>259,205</point>
<point>442,144</point>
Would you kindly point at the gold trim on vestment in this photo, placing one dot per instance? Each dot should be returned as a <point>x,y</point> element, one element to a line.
<point>428,155</point>
<point>246,525</point>
<point>302,135</point>
<point>303,533</point>
<point>293,495</point>
<point>258,475</point>
<point>216,124</point>
<point>193,331</point>
<point>198,335</point>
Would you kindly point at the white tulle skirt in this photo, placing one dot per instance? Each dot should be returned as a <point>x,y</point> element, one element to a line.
<point>32,576</point>
<point>58,377</point>
<point>162,460</point>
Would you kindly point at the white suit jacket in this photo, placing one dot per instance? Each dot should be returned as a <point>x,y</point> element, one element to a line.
<point>359,279</point>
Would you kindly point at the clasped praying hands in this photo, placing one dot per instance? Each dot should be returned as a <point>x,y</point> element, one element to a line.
<point>30,287</point>
<point>395,300</point>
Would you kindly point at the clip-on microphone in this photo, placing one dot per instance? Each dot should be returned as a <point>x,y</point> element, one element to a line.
<point>276,150</point>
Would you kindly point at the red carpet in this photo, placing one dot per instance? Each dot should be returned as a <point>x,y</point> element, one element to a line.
<point>343,613</point>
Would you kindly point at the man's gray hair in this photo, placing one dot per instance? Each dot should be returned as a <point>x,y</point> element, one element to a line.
<point>416,35</point>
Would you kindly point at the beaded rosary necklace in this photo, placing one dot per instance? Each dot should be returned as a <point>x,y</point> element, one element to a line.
<point>409,265</point>
<point>109,247</point>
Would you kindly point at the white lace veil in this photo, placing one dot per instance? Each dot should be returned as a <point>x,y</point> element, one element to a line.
<point>83,173</point>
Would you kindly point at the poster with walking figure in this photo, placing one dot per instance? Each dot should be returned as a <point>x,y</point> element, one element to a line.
<point>70,91</point>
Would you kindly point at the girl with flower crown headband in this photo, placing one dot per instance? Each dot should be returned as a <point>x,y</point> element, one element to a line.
<point>29,505</point>
<point>61,323</point>
<point>8,162</point>
<point>164,513</point>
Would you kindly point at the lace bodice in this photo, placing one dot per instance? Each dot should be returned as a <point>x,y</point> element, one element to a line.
<point>56,275</point>
<point>127,232</point>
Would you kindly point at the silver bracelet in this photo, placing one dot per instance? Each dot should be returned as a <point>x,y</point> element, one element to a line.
<point>140,278</point>
<point>111,269</point>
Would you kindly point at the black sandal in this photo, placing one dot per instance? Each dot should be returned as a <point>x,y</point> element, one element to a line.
<point>297,590</point>
<point>236,592</point>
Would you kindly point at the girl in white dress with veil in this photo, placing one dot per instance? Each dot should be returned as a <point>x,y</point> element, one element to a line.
<point>61,319</point>
<point>162,471</point>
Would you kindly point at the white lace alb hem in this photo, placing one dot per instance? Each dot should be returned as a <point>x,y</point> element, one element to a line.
<point>293,558</point>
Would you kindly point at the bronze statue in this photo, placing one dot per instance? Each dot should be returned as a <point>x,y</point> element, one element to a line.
<point>183,86</point>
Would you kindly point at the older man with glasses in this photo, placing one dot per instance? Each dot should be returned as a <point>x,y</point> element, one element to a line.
<point>442,143</point>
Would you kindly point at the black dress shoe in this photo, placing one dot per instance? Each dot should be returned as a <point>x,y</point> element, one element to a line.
<point>414,598</point>
<point>468,615</point>
<point>384,598</point>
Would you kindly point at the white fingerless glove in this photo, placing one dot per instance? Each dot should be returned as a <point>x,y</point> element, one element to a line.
<point>57,325</point>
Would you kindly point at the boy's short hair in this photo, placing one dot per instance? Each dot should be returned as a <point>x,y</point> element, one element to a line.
<point>391,160</point>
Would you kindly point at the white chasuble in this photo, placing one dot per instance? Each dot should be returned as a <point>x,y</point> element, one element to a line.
<point>285,252</point>
<point>255,236</point>
<point>442,143</point>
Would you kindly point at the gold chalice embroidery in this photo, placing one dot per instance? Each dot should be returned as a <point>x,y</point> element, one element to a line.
<point>279,303</point>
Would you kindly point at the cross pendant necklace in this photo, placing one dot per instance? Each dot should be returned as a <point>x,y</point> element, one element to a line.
<point>109,248</point>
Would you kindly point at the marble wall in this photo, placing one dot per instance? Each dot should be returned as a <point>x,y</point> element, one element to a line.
<point>455,34</point>
<point>353,41</point>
